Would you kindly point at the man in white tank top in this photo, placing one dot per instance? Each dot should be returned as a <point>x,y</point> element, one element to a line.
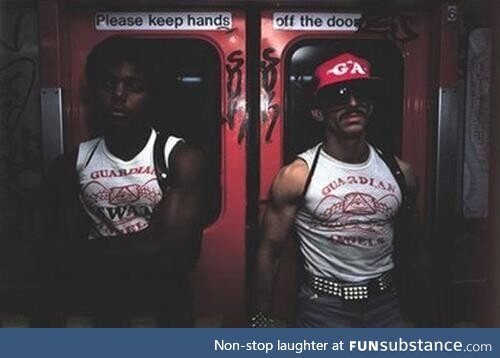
<point>128,242</point>
<point>340,198</point>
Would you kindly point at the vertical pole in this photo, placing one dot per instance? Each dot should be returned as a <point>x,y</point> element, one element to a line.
<point>444,232</point>
<point>253,144</point>
<point>492,315</point>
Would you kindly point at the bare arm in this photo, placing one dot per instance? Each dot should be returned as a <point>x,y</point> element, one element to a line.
<point>413,189</point>
<point>415,239</point>
<point>176,225</point>
<point>277,222</point>
<point>416,301</point>
<point>421,243</point>
<point>411,180</point>
<point>178,218</point>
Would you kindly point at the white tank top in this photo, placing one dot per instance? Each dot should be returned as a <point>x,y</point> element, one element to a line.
<point>345,224</point>
<point>119,196</point>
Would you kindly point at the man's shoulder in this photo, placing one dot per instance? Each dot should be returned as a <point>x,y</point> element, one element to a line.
<point>295,172</point>
<point>88,144</point>
<point>187,161</point>
<point>290,181</point>
<point>410,178</point>
<point>409,174</point>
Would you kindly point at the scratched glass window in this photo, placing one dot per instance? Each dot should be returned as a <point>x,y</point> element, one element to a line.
<point>192,106</point>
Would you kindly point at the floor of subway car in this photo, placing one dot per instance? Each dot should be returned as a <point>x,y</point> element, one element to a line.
<point>17,320</point>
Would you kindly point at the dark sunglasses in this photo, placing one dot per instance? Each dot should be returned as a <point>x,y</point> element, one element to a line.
<point>339,96</point>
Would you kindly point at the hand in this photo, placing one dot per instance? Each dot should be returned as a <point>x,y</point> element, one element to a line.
<point>262,320</point>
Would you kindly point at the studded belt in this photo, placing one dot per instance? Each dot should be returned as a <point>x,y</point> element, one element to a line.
<point>353,290</point>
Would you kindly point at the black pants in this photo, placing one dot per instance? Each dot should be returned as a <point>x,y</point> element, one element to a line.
<point>323,310</point>
<point>113,300</point>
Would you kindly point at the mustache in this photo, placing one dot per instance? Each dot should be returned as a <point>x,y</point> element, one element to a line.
<point>354,111</point>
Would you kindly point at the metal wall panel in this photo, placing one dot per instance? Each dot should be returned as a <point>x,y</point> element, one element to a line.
<point>52,124</point>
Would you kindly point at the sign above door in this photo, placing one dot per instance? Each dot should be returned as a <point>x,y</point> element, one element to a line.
<point>316,21</point>
<point>161,21</point>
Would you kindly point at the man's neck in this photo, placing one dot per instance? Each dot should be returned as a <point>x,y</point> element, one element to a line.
<point>353,150</point>
<point>126,144</point>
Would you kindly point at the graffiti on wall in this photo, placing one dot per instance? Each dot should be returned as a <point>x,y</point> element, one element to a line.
<point>269,77</point>
<point>234,84</point>
<point>20,151</point>
<point>398,27</point>
<point>234,90</point>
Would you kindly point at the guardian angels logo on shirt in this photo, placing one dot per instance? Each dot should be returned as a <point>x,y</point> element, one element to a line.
<point>121,209</point>
<point>351,67</point>
<point>356,211</point>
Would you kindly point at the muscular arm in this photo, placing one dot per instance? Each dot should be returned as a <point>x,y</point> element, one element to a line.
<point>277,222</point>
<point>411,180</point>
<point>172,239</point>
<point>178,219</point>
<point>421,244</point>
<point>416,301</point>
<point>413,188</point>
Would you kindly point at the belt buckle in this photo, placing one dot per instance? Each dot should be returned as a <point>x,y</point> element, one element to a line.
<point>352,291</point>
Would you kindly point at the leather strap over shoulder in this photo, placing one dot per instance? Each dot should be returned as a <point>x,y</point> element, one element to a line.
<point>159,160</point>
<point>392,164</point>
<point>311,173</point>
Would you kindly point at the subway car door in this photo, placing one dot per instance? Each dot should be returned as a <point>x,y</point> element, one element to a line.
<point>293,43</point>
<point>201,56</point>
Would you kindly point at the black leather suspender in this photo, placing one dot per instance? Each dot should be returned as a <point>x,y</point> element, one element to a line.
<point>392,164</point>
<point>311,173</point>
<point>159,160</point>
